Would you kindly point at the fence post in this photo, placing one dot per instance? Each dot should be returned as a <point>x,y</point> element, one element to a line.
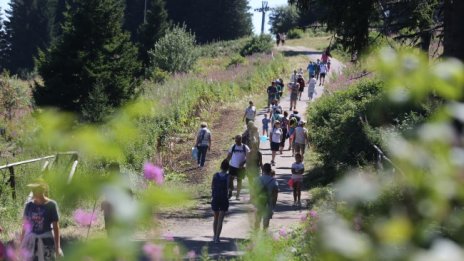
<point>12,182</point>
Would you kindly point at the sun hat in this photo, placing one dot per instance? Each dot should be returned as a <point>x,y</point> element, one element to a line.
<point>38,184</point>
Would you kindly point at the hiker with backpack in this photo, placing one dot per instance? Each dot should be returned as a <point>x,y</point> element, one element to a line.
<point>220,199</point>
<point>266,189</point>
<point>301,138</point>
<point>294,91</point>
<point>237,155</point>
<point>250,113</point>
<point>203,143</point>
<point>302,84</point>
<point>276,138</point>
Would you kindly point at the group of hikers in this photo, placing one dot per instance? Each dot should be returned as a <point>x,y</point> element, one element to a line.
<point>244,158</point>
<point>280,38</point>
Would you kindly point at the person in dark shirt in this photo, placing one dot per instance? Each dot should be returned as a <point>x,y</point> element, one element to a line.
<point>271,93</point>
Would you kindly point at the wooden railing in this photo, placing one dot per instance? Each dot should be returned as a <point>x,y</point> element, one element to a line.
<point>48,162</point>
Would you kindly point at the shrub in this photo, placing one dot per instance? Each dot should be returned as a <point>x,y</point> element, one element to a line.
<point>257,44</point>
<point>176,51</point>
<point>295,33</point>
<point>236,60</point>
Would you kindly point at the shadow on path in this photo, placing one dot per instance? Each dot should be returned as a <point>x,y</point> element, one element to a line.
<point>296,53</point>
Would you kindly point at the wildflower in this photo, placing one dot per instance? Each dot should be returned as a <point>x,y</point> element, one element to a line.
<point>191,255</point>
<point>313,213</point>
<point>283,232</point>
<point>155,252</point>
<point>153,173</point>
<point>83,218</point>
<point>276,236</point>
<point>168,236</point>
<point>303,217</point>
<point>10,253</point>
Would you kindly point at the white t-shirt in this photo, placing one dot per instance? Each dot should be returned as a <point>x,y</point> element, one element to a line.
<point>300,135</point>
<point>250,112</point>
<point>206,137</point>
<point>323,68</point>
<point>312,85</point>
<point>297,167</point>
<point>276,135</point>
<point>238,155</point>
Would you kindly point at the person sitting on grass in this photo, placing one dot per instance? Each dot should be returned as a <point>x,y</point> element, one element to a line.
<point>220,199</point>
<point>297,177</point>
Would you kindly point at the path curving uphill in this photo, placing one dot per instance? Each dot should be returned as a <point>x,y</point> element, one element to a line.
<point>195,231</point>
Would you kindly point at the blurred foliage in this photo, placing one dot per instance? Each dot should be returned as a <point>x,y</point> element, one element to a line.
<point>295,33</point>
<point>258,44</point>
<point>284,18</point>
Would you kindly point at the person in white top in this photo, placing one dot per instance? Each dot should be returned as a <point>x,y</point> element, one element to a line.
<point>276,139</point>
<point>203,143</point>
<point>301,138</point>
<point>312,87</point>
<point>250,113</point>
<point>237,156</point>
<point>297,177</point>
<point>294,76</point>
<point>323,67</point>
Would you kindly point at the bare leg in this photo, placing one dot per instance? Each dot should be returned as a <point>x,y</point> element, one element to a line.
<point>231,185</point>
<point>215,224</point>
<point>295,192</point>
<point>273,155</point>
<point>221,216</point>
<point>239,186</point>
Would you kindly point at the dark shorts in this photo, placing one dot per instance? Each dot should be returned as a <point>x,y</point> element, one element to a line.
<point>294,96</point>
<point>322,75</point>
<point>301,89</point>
<point>220,204</point>
<point>236,172</point>
<point>275,146</point>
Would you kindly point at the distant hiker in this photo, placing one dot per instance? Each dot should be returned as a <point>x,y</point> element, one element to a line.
<point>311,68</point>
<point>297,178</point>
<point>40,236</point>
<point>294,91</point>
<point>250,113</point>
<point>301,138</point>
<point>302,84</point>
<point>250,136</point>
<point>278,39</point>
<point>282,85</point>
<point>265,199</point>
<point>283,37</point>
<point>323,71</point>
<point>279,90</point>
<point>276,109</point>
<point>271,93</point>
<point>276,138</point>
<point>254,164</point>
<point>311,87</point>
<point>325,55</point>
<point>265,122</point>
<point>317,66</point>
<point>284,122</point>
<point>296,115</point>
<point>293,76</point>
<point>276,115</point>
<point>328,65</point>
<point>237,160</point>
<point>220,199</point>
<point>203,143</point>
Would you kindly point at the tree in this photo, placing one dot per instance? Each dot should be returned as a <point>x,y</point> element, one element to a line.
<point>155,28</point>
<point>284,18</point>
<point>92,68</point>
<point>28,27</point>
<point>176,51</point>
<point>453,36</point>
<point>4,45</point>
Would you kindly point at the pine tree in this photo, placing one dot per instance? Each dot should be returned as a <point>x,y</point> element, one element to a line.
<point>155,28</point>
<point>92,68</point>
<point>4,45</point>
<point>133,17</point>
<point>29,31</point>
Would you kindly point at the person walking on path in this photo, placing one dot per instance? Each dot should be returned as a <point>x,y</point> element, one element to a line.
<point>293,77</point>
<point>323,70</point>
<point>317,66</point>
<point>40,219</point>
<point>203,143</point>
<point>271,93</point>
<point>265,122</point>
<point>302,84</point>
<point>301,139</point>
<point>237,160</point>
<point>295,88</point>
<point>250,136</point>
<point>278,39</point>
<point>284,122</point>
<point>297,179</point>
<point>311,69</point>
<point>250,113</point>
<point>276,138</point>
<point>266,193</point>
<point>311,87</point>
<point>220,199</point>
<point>291,132</point>
<point>281,86</point>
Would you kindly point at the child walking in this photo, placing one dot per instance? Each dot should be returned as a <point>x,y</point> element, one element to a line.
<point>297,176</point>
<point>220,199</point>
<point>266,121</point>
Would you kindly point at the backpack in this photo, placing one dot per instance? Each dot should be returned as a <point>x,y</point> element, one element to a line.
<point>202,136</point>
<point>244,148</point>
<point>262,196</point>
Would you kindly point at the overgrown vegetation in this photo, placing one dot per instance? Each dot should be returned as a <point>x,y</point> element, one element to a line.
<point>257,44</point>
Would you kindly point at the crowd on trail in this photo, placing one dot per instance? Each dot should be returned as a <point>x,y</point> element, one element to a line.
<point>40,236</point>
<point>244,159</point>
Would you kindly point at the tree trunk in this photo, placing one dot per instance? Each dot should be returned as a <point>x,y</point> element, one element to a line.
<point>453,32</point>
<point>425,39</point>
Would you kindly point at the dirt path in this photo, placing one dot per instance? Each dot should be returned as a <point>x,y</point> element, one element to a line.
<point>196,233</point>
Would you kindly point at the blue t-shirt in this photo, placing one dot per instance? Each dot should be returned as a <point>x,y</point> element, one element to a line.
<point>266,123</point>
<point>41,217</point>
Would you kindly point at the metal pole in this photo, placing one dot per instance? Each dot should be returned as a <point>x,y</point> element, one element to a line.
<point>262,22</point>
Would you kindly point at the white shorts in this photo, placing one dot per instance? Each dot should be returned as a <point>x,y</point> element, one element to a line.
<point>297,178</point>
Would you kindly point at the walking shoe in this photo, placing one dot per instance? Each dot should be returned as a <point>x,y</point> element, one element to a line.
<point>272,163</point>
<point>217,240</point>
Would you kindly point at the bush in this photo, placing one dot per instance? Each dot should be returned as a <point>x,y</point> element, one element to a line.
<point>176,51</point>
<point>258,44</point>
<point>236,60</point>
<point>295,33</point>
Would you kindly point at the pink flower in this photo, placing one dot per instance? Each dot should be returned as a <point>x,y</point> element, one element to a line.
<point>313,213</point>
<point>283,232</point>
<point>10,253</point>
<point>84,218</point>
<point>153,173</point>
<point>191,255</point>
<point>303,217</point>
<point>168,236</point>
<point>155,252</point>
